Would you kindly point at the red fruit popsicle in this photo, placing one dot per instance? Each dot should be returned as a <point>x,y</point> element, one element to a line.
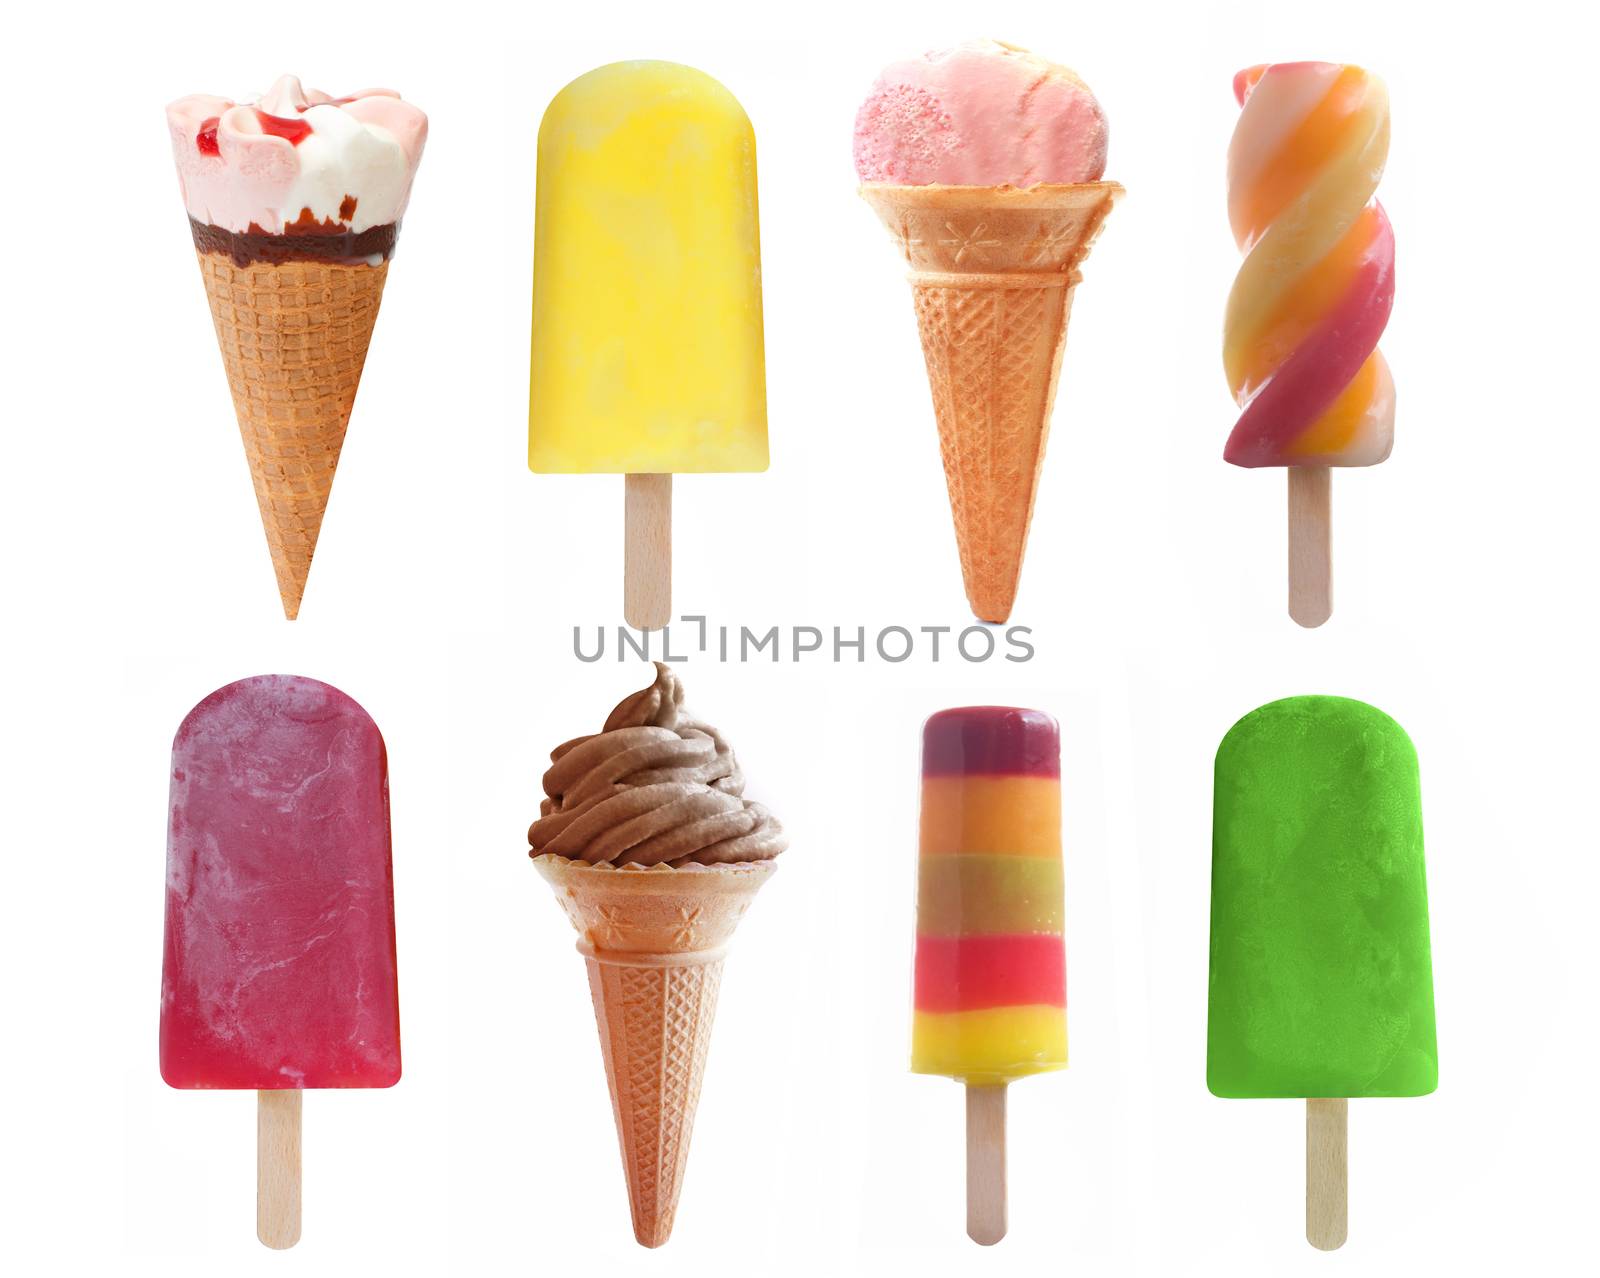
<point>279,969</point>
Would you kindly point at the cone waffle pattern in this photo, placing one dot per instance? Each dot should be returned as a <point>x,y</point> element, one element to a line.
<point>655,1034</point>
<point>654,940</point>
<point>992,274</point>
<point>294,339</point>
<point>991,356</point>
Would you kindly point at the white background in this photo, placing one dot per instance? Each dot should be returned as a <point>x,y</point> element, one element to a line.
<point>448,581</point>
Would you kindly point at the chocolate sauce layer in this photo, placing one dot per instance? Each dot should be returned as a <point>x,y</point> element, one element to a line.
<point>323,246</point>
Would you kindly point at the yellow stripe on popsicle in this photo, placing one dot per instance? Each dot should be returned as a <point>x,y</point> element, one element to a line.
<point>1252,355</point>
<point>992,1045</point>
<point>1017,816</point>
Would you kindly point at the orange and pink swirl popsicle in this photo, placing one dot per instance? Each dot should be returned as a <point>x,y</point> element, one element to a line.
<point>991,981</point>
<point>1313,295</point>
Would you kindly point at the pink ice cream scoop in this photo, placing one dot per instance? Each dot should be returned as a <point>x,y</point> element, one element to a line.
<point>980,114</point>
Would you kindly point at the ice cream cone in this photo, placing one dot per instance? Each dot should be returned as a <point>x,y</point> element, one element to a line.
<point>992,275</point>
<point>654,940</point>
<point>294,339</point>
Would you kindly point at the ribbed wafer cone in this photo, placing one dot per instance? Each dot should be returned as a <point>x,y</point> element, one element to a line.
<point>654,940</point>
<point>992,275</point>
<point>294,339</point>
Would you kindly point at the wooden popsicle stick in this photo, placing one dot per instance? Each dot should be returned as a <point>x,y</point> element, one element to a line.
<point>647,553</point>
<point>1327,1174</point>
<point>1310,545</point>
<point>986,1164</point>
<point>278,1167</point>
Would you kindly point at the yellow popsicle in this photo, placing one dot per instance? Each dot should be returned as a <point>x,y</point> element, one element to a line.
<point>647,340</point>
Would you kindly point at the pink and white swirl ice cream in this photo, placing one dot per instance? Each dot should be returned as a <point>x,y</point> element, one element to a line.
<point>297,174</point>
<point>980,114</point>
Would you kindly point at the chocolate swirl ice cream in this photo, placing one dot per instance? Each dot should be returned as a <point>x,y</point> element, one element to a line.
<point>653,787</point>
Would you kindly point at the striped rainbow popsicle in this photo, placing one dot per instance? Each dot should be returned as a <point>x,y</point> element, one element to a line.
<point>1317,284</point>
<point>991,988</point>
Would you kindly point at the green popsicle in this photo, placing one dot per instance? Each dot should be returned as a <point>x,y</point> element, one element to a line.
<point>1321,972</point>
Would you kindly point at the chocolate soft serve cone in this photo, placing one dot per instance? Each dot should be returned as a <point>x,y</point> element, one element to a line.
<point>655,855</point>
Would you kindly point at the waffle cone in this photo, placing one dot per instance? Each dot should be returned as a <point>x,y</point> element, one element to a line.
<point>294,339</point>
<point>654,942</point>
<point>992,275</point>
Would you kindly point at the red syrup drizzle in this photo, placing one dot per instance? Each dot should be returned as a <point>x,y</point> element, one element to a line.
<point>295,131</point>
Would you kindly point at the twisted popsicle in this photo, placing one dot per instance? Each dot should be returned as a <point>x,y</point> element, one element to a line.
<point>1317,284</point>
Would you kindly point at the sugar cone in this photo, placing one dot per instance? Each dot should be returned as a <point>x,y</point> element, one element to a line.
<point>992,275</point>
<point>294,339</point>
<point>654,941</point>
